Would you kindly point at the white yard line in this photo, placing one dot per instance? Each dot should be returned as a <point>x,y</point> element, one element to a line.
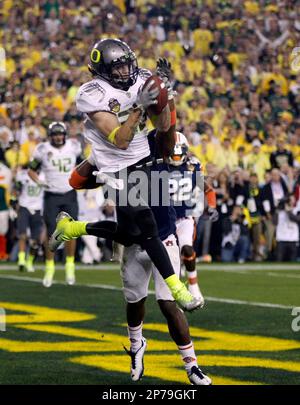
<point>110,287</point>
<point>234,268</point>
<point>282,275</point>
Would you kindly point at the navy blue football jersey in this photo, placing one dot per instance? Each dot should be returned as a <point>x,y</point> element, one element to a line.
<point>182,183</point>
<point>162,209</point>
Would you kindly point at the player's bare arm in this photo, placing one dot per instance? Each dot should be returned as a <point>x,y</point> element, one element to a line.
<point>109,125</point>
<point>33,175</point>
<point>165,139</point>
<point>122,134</point>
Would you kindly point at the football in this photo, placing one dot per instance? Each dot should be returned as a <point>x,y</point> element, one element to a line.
<point>162,98</point>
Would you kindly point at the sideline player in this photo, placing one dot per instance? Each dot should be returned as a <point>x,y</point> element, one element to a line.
<point>29,196</point>
<point>114,103</point>
<point>57,158</point>
<point>185,188</point>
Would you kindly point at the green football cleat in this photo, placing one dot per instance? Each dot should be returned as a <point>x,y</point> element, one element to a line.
<point>66,229</point>
<point>182,295</point>
<point>185,299</point>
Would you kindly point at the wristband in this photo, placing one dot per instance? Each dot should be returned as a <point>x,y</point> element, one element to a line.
<point>112,136</point>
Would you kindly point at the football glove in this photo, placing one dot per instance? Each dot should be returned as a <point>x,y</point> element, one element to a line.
<point>146,96</point>
<point>164,71</point>
<point>213,214</point>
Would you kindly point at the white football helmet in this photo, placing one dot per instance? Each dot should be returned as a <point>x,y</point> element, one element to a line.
<point>180,150</point>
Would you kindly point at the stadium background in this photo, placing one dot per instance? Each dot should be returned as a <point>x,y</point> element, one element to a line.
<point>235,85</point>
<point>238,102</point>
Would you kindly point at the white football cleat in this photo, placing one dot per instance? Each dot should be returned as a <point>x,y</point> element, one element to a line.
<point>30,268</point>
<point>48,278</point>
<point>137,361</point>
<point>194,289</point>
<point>197,377</point>
<point>70,273</point>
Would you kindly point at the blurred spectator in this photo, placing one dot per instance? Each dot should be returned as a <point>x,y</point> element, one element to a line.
<point>281,155</point>
<point>28,146</point>
<point>242,158</point>
<point>254,205</point>
<point>287,220</point>
<point>238,187</point>
<point>225,156</point>
<point>272,193</point>
<point>257,161</point>
<point>5,189</point>
<point>238,95</point>
<point>235,233</point>
<point>156,30</point>
<point>6,135</point>
<point>15,157</point>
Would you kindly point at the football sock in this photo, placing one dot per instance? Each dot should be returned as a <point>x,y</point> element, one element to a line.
<point>50,265</point>
<point>192,277</point>
<point>70,261</point>
<point>188,356</point>
<point>135,335</point>
<point>111,231</point>
<point>21,258</point>
<point>30,259</point>
<point>159,256</point>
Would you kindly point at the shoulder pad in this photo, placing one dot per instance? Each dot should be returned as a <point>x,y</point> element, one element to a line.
<point>92,88</point>
<point>193,161</point>
<point>41,148</point>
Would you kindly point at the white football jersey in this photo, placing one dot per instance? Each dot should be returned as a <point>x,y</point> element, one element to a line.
<point>31,196</point>
<point>58,163</point>
<point>99,95</point>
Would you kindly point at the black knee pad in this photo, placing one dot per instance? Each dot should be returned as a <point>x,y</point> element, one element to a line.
<point>187,251</point>
<point>146,223</point>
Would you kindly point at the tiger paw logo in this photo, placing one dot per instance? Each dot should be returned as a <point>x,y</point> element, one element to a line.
<point>295,59</point>
<point>114,105</point>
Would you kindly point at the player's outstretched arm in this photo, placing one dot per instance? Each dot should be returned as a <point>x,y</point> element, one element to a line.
<point>165,140</point>
<point>162,122</point>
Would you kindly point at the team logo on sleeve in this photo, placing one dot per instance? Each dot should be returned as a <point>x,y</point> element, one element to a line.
<point>114,105</point>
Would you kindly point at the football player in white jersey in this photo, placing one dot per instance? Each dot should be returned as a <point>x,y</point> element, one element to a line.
<point>57,158</point>
<point>114,103</point>
<point>29,195</point>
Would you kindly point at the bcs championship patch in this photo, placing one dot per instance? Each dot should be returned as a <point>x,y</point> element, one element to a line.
<point>114,105</point>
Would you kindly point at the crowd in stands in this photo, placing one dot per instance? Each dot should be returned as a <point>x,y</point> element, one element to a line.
<point>238,92</point>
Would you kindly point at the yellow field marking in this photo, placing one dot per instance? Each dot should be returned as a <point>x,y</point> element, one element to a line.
<point>105,342</point>
<point>219,340</point>
<point>164,367</point>
<point>238,361</point>
<point>38,314</point>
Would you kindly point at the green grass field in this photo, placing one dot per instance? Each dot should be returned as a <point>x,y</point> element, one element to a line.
<point>75,335</point>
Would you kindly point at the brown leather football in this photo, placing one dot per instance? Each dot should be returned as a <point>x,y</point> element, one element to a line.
<point>162,98</point>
